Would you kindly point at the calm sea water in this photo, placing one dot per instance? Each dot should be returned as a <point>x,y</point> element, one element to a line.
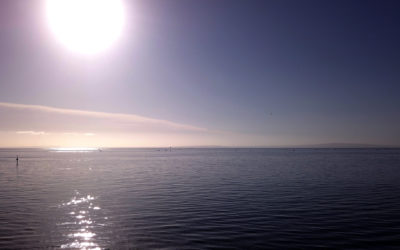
<point>200,199</point>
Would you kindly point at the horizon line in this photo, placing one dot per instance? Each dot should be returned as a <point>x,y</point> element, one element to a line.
<point>314,146</point>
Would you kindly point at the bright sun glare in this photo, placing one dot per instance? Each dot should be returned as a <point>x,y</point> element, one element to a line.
<point>86,26</point>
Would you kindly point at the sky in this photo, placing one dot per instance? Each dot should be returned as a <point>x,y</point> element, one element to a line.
<point>206,73</point>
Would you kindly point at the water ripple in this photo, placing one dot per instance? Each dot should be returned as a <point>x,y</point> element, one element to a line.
<point>201,199</point>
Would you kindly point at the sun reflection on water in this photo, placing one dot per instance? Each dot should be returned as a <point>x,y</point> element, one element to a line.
<point>80,211</point>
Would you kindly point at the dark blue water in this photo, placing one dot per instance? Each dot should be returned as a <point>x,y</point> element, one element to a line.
<point>200,199</point>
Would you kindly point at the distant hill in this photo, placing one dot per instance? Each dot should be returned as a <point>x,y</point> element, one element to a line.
<point>321,145</point>
<point>344,145</point>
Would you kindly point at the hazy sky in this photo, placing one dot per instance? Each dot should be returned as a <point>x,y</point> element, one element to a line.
<point>186,72</point>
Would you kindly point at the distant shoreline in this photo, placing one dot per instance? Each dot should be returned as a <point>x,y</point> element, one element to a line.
<point>224,147</point>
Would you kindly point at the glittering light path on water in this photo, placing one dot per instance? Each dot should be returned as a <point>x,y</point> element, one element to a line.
<point>82,218</point>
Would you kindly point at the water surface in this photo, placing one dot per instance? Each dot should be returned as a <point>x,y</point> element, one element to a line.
<point>200,198</point>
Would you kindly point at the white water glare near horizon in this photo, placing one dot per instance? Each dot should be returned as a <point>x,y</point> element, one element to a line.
<point>74,149</point>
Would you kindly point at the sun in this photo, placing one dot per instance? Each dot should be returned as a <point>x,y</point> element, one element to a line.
<point>86,26</point>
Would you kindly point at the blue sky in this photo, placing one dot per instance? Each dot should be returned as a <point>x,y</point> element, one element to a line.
<point>304,71</point>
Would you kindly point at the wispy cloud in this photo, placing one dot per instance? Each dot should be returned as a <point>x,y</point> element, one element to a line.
<point>32,125</point>
<point>79,134</point>
<point>29,132</point>
<point>35,119</point>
